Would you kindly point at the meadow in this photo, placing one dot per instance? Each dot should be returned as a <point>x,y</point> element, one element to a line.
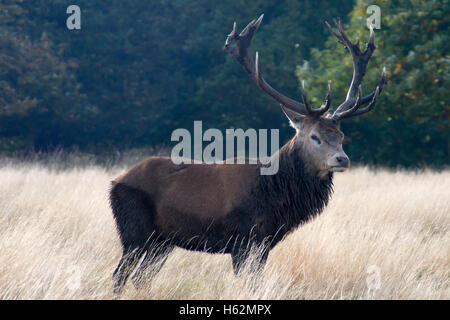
<point>384,235</point>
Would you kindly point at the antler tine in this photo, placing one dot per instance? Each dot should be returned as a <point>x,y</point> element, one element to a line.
<point>318,111</point>
<point>350,107</point>
<point>356,110</point>
<point>342,36</point>
<point>305,99</point>
<point>382,81</point>
<point>325,108</point>
<point>370,105</point>
<point>328,97</point>
<point>350,112</point>
<point>337,35</point>
<point>240,51</point>
<point>257,75</point>
<point>360,60</point>
<point>371,39</point>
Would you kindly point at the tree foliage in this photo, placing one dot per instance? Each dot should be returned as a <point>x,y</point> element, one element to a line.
<point>138,70</point>
<point>410,124</point>
<point>40,98</point>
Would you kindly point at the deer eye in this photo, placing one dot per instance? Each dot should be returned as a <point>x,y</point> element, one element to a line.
<point>316,139</point>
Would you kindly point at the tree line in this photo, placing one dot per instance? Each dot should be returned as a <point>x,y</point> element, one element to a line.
<point>137,70</point>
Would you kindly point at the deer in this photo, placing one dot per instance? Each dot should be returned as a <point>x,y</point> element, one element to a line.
<point>229,208</point>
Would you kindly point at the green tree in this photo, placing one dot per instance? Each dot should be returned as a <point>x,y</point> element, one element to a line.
<point>40,100</point>
<point>410,124</point>
<point>150,67</point>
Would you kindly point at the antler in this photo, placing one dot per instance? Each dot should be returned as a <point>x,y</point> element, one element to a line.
<point>351,107</point>
<point>240,51</point>
<point>319,111</point>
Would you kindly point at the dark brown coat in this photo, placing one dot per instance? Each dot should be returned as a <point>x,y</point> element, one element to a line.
<point>214,208</point>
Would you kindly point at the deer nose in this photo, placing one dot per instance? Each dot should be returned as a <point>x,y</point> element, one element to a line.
<point>343,161</point>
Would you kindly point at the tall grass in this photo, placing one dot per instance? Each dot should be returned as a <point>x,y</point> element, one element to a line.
<point>384,235</point>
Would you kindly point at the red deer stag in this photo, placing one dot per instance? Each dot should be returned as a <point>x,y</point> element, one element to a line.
<point>226,208</point>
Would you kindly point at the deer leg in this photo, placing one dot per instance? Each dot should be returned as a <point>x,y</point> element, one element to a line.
<point>126,265</point>
<point>261,261</point>
<point>132,214</point>
<point>238,259</point>
<point>244,258</point>
<point>154,260</point>
<point>253,262</point>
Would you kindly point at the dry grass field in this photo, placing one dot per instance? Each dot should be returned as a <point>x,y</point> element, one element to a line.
<point>385,235</point>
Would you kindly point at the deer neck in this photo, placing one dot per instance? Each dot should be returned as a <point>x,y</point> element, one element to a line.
<point>292,158</point>
<point>296,193</point>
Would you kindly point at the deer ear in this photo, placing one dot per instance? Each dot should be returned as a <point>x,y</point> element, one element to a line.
<point>295,118</point>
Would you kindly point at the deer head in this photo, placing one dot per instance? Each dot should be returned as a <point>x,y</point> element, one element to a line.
<point>318,138</point>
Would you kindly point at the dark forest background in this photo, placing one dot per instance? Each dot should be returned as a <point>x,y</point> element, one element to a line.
<point>137,70</point>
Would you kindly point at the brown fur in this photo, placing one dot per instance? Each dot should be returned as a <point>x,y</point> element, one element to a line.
<point>228,208</point>
<point>215,208</point>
